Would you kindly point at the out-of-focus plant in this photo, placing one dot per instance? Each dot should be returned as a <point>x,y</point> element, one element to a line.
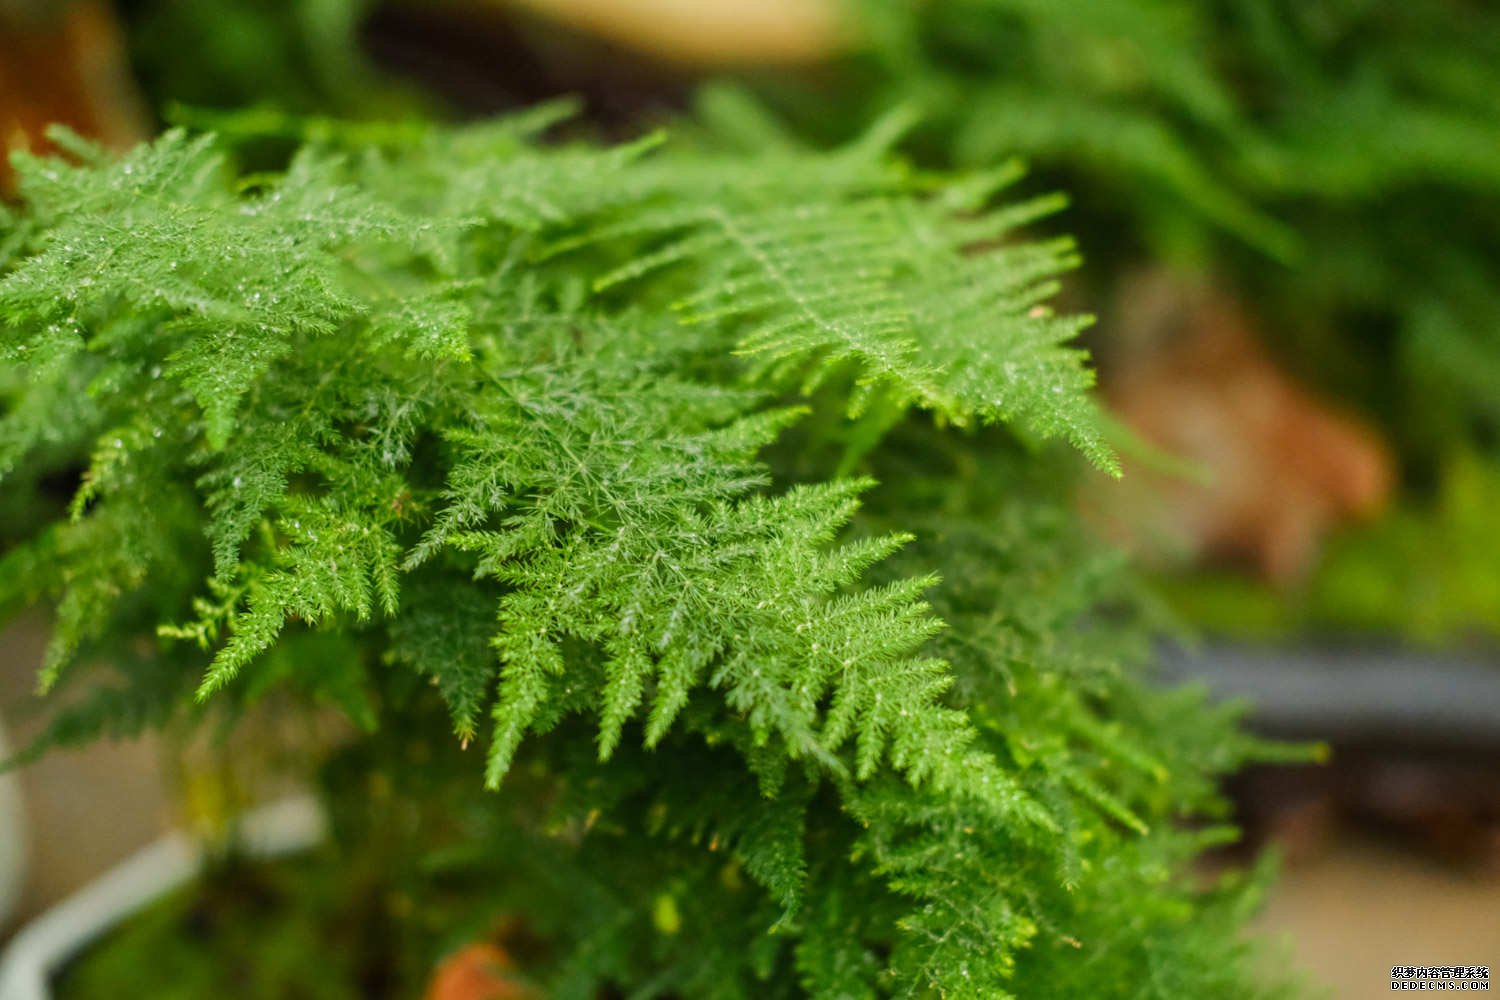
<point>1331,162</point>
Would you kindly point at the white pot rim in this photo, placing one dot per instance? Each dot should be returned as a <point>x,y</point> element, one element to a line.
<point>45,945</point>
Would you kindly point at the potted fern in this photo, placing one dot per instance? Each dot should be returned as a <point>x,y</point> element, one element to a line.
<point>661,559</point>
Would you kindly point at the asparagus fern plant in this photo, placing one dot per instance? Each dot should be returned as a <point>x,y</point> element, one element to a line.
<point>680,531</point>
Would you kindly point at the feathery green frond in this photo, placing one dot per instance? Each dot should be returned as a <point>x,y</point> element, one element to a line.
<point>459,430</point>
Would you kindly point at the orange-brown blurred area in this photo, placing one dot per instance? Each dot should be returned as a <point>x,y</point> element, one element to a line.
<point>1273,467</point>
<point>65,65</point>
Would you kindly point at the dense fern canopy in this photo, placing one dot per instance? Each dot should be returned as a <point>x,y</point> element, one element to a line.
<point>710,494</point>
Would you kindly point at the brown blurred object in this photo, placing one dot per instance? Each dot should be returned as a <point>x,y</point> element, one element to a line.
<point>479,971</point>
<point>706,32</point>
<point>1440,804</point>
<point>1282,467</point>
<point>64,64</point>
